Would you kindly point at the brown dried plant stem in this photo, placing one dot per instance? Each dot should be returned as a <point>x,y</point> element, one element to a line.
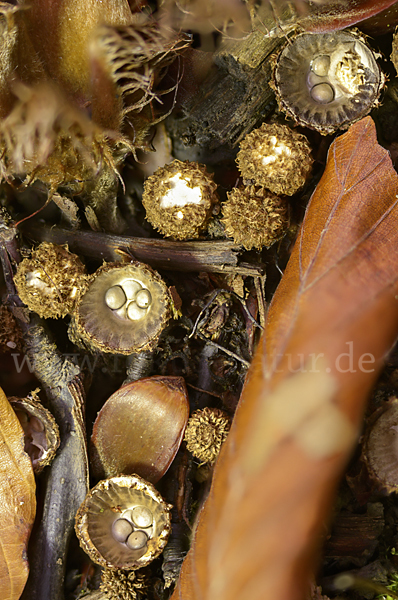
<point>66,482</point>
<point>217,256</point>
<point>259,532</point>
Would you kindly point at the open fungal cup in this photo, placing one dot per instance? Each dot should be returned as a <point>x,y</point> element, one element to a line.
<point>179,198</point>
<point>123,310</point>
<point>123,523</point>
<point>327,81</point>
<point>41,433</point>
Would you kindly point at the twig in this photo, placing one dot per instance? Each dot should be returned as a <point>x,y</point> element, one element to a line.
<point>217,256</point>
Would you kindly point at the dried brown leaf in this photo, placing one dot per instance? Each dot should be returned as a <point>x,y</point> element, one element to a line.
<point>17,503</point>
<point>329,326</point>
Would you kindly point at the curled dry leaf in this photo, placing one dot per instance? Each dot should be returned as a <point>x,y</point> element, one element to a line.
<point>331,322</point>
<point>331,16</point>
<point>17,503</point>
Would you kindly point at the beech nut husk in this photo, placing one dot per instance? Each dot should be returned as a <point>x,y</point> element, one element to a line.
<point>140,428</point>
<point>123,523</point>
<point>123,309</point>
<point>41,431</point>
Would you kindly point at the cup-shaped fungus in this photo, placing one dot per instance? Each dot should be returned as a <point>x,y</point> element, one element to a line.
<point>41,432</point>
<point>327,81</point>
<point>276,157</point>
<point>254,217</point>
<point>48,282</point>
<point>123,523</point>
<point>179,198</point>
<point>140,427</point>
<point>380,447</point>
<point>124,309</point>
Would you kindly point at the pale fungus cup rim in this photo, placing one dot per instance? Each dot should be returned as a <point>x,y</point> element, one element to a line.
<point>109,501</point>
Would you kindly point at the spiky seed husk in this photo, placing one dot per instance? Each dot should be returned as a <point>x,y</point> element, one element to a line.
<point>255,218</point>
<point>276,157</point>
<point>179,221</point>
<point>47,139</point>
<point>136,57</point>
<point>206,431</point>
<point>49,281</point>
<point>124,585</point>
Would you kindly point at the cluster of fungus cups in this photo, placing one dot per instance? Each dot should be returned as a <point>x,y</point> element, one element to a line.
<point>274,161</point>
<point>179,199</point>
<point>123,523</point>
<point>327,81</point>
<point>122,308</point>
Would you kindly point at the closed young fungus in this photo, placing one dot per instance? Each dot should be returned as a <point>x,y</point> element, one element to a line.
<point>124,585</point>
<point>123,310</point>
<point>179,198</point>
<point>276,157</point>
<point>206,431</point>
<point>123,523</point>
<point>254,217</point>
<point>327,81</point>
<point>49,281</point>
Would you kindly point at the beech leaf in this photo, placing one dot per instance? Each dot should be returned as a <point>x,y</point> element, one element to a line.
<point>330,324</point>
<point>17,503</point>
<point>330,16</point>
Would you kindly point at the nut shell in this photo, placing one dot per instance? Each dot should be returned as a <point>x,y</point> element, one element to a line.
<point>327,81</point>
<point>140,427</point>
<point>179,198</point>
<point>102,321</point>
<point>104,504</point>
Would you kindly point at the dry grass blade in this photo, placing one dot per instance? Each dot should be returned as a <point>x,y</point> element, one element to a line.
<point>330,324</point>
<point>18,503</point>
